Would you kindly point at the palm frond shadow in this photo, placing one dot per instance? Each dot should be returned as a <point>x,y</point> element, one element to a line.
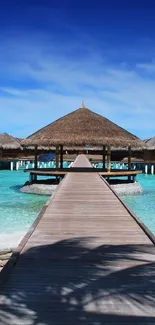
<point>70,282</point>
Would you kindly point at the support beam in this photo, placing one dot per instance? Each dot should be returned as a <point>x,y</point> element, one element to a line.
<point>129,158</point>
<point>152,169</point>
<point>108,158</point>
<point>17,165</point>
<point>61,156</point>
<point>11,165</point>
<point>31,178</point>
<point>103,156</point>
<point>36,158</point>
<point>134,178</point>
<point>57,156</point>
<point>129,162</point>
<point>146,169</point>
<point>36,162</point>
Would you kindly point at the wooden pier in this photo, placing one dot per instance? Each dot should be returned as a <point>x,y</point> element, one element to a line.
<point>86,261</point>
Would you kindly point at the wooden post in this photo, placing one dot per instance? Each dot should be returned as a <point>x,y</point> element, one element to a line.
<point>129,158</point>
<point>61,156</point>
<point>36,158</point>
<point>11,165</point>
<point>129,162</point>
<point>1,153</point>
<point>57,156</point>
<point>134,178</point>
<point>109,159</point>
<point>104,149</point>
<point>31,178</point>
<point>35,163</point>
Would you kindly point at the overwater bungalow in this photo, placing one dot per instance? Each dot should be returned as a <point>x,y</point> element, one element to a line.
<point>8,142</point>
<point>13,155</point>
<point>149,153</point>
<point>10,149</point>
<point>85,129</point>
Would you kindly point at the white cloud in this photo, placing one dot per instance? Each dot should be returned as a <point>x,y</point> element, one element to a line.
<point>148,67</point>
<point>46,85</point>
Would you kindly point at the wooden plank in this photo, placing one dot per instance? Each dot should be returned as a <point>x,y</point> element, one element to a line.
<point>87,262</point>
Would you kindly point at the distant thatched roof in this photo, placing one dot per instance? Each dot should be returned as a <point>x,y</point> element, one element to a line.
<point>83,128</point>
<point>9,142</point>
<point>150,143</point>
<point>133,160</point>
<point>19,139</point>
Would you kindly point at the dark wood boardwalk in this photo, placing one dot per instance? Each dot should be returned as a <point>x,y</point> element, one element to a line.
<point>87,262</point>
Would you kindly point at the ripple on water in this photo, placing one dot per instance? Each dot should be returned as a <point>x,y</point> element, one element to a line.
<point>143,205</point>
<point>17,210</point>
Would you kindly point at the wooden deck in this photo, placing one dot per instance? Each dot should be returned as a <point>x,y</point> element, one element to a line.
<point>87,262</point>
<point>62,172</point>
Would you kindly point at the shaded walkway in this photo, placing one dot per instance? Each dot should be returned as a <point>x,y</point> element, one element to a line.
<point>87,262</point>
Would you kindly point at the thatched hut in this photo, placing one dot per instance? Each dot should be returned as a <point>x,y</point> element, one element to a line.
<point>149,153</point>
<point>150,143</point>
<point>85,128</point>
<point>8,142</point>
<point>9,145</point>
<point>133,160</point>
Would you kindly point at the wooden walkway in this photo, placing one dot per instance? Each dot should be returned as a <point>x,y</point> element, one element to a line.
<point>87,262</point>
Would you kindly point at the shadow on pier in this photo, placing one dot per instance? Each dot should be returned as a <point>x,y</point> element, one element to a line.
<point>70,282</point>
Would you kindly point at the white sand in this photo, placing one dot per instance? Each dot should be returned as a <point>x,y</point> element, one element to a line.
<point>11,240</point>
<point>45,189</point>
<point>128,188</point>
<point>42,189</point>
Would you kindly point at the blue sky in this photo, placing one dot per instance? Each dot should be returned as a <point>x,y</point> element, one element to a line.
<point>54,54</point>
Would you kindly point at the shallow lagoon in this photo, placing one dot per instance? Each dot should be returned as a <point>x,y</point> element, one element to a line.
<point>143,205</point>
<point>18,210</point>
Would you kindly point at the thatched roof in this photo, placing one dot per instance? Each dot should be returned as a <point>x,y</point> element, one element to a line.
<point>133,160</point>
<point>150,143</point>
<point>19,139</point>
<point>83,127</point>
<point>8,142</point>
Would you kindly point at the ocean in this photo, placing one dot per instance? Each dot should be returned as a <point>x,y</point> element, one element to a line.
<point>19,210</point>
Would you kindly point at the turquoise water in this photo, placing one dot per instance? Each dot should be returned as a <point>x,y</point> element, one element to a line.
<point>143,205</point>
<point>17,210</point>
